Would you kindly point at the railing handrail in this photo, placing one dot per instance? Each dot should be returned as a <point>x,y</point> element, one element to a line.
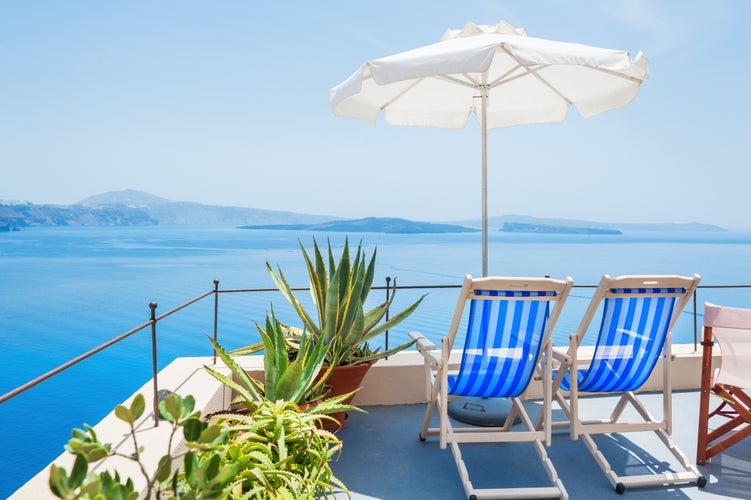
<point>154,320</point>
<point>28,385</point>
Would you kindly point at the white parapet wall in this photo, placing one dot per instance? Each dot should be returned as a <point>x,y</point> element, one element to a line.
<point>397,380</point>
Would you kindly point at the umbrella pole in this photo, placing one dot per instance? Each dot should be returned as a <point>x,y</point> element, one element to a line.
<point>491,412</point>
<point>484,98</point>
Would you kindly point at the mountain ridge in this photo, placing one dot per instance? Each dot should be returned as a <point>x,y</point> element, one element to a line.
<point>132,207</point>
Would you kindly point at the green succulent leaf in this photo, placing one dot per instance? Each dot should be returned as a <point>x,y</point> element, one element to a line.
<point>164,468</point>
<point>78,473</point>
<point>124,414</point>
<point>210,434</point>
<point>189,467</point>
<point>58,481</point>
<point>245,385</point>
<point>96,453</point>
<point>169,408</point>
<point>212,468</point>
<point>186,405</point>
<point>138,406</point>
<point>192,429</point>
<point>90,431</point>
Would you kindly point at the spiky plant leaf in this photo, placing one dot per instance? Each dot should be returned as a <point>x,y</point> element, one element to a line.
<point>245,385</point>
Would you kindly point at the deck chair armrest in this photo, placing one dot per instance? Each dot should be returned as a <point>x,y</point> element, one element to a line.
<point>421,342</point>
<point>426,348</point>
<point>561,356</point>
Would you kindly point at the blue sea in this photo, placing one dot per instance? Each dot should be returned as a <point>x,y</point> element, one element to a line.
<point>66,290</point>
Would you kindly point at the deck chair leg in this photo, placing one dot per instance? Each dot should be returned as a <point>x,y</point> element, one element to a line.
<point>425,429</point>
<point>445,426</point>
<point>729,441</point>
<point>680,456</point>
<point>556,490</point>
<point>601,461</point>
<point>690,473</point>
<point>550,469</point>
<point>561,400</point>
<point>621,405</point>
<point>434,395</point>
<point>736,400</point>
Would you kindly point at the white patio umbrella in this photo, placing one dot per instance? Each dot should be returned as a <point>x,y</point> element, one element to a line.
<point>497,73</point>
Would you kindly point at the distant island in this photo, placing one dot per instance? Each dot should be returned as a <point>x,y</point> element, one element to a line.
<point>374,225</point>
<point>498,222</point>
<point>136,208</point>
<point>520,227</point>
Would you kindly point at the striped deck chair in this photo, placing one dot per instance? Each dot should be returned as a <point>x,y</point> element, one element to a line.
<point>731,419</point>
<point>508,334</point>
<point>637,317</point>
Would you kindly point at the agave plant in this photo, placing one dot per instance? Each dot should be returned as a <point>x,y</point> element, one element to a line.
<point>339,293</point>
<point>294,381</point>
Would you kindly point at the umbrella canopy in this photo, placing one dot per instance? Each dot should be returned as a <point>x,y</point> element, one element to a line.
<point>497,73</point>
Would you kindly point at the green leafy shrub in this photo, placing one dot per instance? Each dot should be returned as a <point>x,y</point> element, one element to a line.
<point>283,452</point>
<point>275,452</point>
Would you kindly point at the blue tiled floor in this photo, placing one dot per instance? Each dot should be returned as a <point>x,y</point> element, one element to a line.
<point>383,458</point>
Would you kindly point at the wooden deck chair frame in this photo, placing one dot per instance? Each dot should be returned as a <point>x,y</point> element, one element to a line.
<point>681,290</point>
<point>474,291</point>
<point>731,328</point>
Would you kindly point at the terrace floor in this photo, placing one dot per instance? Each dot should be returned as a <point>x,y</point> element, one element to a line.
<point>383,458</point>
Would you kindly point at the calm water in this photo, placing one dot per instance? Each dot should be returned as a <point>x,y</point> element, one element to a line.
<point>66,290</point>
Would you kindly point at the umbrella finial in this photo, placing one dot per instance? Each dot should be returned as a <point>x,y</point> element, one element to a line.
<point>471,29</point>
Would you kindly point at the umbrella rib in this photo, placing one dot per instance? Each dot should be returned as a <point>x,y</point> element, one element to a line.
<point>501,79</point>
<point>620,75</point>
<point>470,83</point>
<point>396,97</point>
<point>417,81</point>
<point>534,73</point>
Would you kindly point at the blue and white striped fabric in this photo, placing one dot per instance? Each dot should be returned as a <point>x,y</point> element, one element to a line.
<point>632,335</point>
<point>504,337</point>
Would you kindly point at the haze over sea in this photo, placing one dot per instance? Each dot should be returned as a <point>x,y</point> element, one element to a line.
<point>69,289</point>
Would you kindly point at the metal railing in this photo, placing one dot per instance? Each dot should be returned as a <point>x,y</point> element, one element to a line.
<point>154,320</point>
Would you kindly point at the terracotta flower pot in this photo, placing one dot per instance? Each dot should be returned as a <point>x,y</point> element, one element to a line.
<point>344,379</point>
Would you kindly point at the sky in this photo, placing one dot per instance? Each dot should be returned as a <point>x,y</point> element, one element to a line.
<point>227,103</point>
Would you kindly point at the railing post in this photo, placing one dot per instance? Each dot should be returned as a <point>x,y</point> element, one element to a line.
<point>152,306</point>
<point>696,345</point>
<point>388,292</point>
<point>216,313</point>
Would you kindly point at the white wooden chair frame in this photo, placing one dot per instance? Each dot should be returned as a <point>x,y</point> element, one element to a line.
<point>585,429</point>
<point>437,373</point>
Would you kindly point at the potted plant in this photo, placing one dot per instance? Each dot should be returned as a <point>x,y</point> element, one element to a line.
<point>340,321</point>
<point>277,447</point>
<point>293,380</point>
